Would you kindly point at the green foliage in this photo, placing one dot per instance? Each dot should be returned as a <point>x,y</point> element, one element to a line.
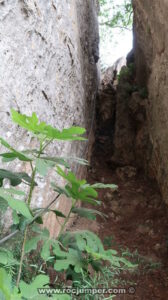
<point>87,213</point>
<point>41,129</point>
<point>31,244</point>
<point>14,177</point>
<point>92,247</point>
<point>5,285</point>
<point>116,23</point>
<point>78,189</point>
<point>114,15</point>
<point>7,258</point>
<point>25,291</point>
<point>127,79</point>
<point>30,291</point>
<point>9,156</point>
<point>71,252</point>
<point>127,72</point>
<point>16,204</point>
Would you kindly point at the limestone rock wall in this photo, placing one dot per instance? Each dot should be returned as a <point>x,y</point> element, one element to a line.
<point>49,51</point>
<point>151,60</point>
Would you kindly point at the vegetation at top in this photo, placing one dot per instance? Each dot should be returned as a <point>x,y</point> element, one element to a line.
<point>115,27</point>
<point>115,14</point>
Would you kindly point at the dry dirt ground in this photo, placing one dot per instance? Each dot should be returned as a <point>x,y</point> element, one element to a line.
<point>137,220</point>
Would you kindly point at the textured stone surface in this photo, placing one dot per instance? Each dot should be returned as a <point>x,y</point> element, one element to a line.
<point>151,57</point>
<point>49,51</point>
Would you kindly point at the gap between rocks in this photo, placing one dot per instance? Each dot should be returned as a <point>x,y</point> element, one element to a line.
<point>137,218</point>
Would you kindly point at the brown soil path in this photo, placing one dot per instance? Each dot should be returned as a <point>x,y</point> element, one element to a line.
<point>137,220</point>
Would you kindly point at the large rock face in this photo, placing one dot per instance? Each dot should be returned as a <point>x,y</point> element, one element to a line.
<point>151,57</point>
<point>49,51</point>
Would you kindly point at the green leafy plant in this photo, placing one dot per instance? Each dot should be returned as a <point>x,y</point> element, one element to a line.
<point>116,15</point>
<point>72,252</point>
<point>127,72</point>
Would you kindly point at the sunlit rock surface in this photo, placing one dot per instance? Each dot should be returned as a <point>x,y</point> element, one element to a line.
<point>49,51</point>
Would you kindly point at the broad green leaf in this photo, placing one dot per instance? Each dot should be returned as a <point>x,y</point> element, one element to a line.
<point>115,260</point>
<point>87,213</point>
<point>23,222</point>
<point>3,258</point>
<point>86,241</point>
<point>81,195</point>
<point>15,217</point>
<point>15,192</point>
<point>15,295</point>
<point>3,205</point>
<point>32,244</point>
<point>21,207</point>
<point>7,157</point>
<point>72,257</point>
<point>78,189</point>
<point>82,239</point>
<point>13,154</point>
<point>92,240</point>
<point>16,204</point>
<point>111,256</point>
<point>43,166</point>
<point>37,229</point>
<point>30,291</point>
<point>15,177</point>
<point>44,233</point>
<point>57,250</point>
<point>88,191</point>
<point>32,124</point>
<point>6,257</point>
<point>5,285</point>
<point>45,252</point>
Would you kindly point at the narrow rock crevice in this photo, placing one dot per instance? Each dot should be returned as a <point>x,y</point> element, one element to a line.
<point>121,117</point>
<point>136,214</point>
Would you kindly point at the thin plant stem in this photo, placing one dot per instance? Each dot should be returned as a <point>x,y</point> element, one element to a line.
<point>31,187</point>
<point>22,257</point>
<point>47,144</point>
<point>25,232</point>
<point>28,202</point>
